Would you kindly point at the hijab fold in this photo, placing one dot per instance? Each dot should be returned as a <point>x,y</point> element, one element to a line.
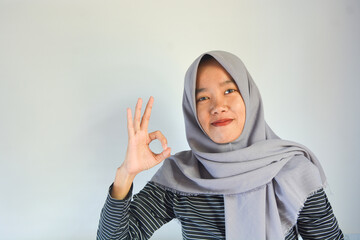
<point>265,180</point>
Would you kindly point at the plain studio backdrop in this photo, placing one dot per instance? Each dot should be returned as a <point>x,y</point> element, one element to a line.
<point>69,70</point>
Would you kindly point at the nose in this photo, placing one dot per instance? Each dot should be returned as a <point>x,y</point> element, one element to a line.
<point>219,106</point>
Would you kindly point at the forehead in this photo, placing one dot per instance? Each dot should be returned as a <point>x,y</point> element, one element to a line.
<point>207,61</point>
<point>211,71</point>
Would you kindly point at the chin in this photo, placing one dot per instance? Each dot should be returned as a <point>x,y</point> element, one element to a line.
<point>223,140</point>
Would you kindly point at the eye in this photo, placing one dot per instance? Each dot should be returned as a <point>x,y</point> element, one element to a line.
<point>230,91</point>
<point>202,99</point>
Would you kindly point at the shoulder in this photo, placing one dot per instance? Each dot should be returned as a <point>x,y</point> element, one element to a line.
<point>316,202</point>
<point>300,170</point>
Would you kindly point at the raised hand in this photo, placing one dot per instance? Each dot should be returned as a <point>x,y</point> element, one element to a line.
<point>139,156</point>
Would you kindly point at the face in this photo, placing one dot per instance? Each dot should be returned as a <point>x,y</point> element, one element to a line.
<point>219,106</point>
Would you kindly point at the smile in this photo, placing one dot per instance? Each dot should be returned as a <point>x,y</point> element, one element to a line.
<point>222,122</point>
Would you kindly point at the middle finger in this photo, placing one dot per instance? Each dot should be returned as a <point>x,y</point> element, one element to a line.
<point>146,117</point>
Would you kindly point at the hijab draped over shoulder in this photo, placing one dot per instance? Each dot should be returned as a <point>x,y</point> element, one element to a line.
<point>265,180</point>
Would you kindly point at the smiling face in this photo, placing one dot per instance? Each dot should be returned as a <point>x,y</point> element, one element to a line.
<point>219,106</point>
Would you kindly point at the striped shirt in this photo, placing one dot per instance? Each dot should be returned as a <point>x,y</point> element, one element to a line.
<point>201,216</point>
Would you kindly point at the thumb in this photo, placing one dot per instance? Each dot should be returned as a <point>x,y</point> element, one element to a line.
<point>163,155</point>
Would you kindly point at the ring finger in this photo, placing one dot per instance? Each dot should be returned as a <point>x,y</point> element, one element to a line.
<point>137,115</point>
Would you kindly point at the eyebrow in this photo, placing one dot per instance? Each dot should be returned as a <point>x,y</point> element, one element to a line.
<point>226,82</point>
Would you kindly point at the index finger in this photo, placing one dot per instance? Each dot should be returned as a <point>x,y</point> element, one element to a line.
<point>146,117</point>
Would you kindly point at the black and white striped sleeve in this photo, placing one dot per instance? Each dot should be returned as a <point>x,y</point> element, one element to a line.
<point>137,219</point>
<point>317,220</point>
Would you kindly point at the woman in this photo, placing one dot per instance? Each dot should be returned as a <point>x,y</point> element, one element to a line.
<point>238,181</point>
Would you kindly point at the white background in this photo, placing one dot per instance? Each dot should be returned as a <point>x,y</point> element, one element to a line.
<point>69,69</point>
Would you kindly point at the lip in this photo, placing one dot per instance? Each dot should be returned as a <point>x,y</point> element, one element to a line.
<point>222,122</point>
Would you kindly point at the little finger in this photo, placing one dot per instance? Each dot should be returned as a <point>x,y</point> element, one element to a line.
<point>130,125</point>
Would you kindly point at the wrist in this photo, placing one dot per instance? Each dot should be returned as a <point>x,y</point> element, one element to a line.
<point>122,183</point>
<point>123,177</point>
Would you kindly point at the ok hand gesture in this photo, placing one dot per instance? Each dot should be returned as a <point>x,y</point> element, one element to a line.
<point>139,156</point>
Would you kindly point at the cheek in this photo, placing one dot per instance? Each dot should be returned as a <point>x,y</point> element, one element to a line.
<point>242,113</point>
<point>239,110</point>
<point>202,117</point>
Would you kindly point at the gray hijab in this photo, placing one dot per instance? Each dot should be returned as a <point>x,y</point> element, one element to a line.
<point>264,180</point>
